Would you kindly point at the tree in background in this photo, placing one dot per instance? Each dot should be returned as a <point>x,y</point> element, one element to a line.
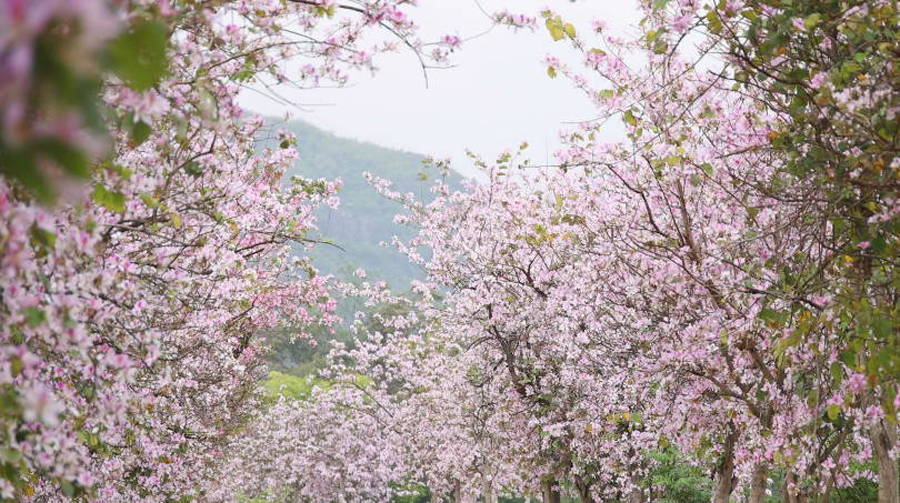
<point>144,243</point>
<point>722,279</point>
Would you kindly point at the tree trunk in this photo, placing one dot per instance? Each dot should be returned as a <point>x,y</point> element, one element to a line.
<point>489,495</point>
<point>584,490</point>
<point>725,479</point>
<point>460,497</point>
<point>884,438</point>
<point>758,483</point>
<point>787,494</point>
<point>792,494</point>
<point>635,496</point>
<point>549,491</point>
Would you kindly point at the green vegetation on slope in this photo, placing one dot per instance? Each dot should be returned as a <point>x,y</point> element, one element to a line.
<point>364,218</point>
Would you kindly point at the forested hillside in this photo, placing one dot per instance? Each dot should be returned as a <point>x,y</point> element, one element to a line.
<point>356,234</point>
<point>364,219</point>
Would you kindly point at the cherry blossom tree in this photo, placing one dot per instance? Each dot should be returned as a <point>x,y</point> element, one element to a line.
<point>705,283</point>
<point>132,305</point>
<point>742,302</point>
<point>720,281</point>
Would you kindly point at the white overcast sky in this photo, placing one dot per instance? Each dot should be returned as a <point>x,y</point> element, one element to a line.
<point>496,96</point>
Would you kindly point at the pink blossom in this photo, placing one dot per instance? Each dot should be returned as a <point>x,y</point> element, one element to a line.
<point>821,300</point>
<point>40,404</point>
<point>682,23</point>
<point>818,79</point>
<point>452,41</point>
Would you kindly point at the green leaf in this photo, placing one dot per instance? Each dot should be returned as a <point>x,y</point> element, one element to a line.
<point>34,316</point>
<point>138,56</point>
<point>833,411</point>
<point>122,171</point>
<point>878,244</point>
<point>67,488</point>
<point>606,93</point>
<point>18,164</point>
<point>771,315</point>
<point>751,15</point>
<point>848,69</point>
<point>42,239</point>
<point>113,201</point>
<point>73,160</point>
<point>10,455</point>
<point>812,20</point>
<point>661,47</point>
<point>149,200</point>
<point>16,366</point>
<point>629,117</point>
<point>551,72</point>
<point>554,26</point>
<point>837,372</point>
<point>715,22</point>
<point>882,328</point>
<point>140,131</point>
<point>672,160</point>
<point>193,168</point>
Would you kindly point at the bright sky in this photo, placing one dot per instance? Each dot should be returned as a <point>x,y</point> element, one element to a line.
<point>496,96</point>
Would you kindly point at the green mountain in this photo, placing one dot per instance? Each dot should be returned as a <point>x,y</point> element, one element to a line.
<point>364,219</point>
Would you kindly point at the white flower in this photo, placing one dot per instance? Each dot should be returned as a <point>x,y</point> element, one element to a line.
<point>40,404</point>
<point>7,491</point>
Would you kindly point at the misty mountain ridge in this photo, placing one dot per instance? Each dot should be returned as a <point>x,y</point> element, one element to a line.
<point>364,218</point>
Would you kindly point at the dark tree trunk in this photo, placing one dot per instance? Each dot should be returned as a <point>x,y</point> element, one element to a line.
<point>584,491</point>
<point>793,494</point>
<point>489,495</point>
<point>549,491</point>
<point>758,483</point>
<point>884,438</point>
<point>635,496</point>
<point>725,479</point>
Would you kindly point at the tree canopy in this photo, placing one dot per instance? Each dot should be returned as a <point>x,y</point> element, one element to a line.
<point>702,309</point>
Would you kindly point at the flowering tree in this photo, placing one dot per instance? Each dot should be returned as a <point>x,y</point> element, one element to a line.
<point>723,275</point>
<point>823,74</point>
<point>720,281</point>
<point>130,310</point>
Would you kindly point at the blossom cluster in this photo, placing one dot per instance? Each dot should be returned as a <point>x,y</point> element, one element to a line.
<point>133,306</point>
<point>719,282</point>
